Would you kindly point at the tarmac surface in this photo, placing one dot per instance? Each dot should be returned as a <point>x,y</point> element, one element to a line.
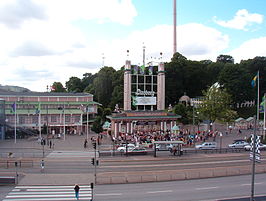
<point>75,143</point>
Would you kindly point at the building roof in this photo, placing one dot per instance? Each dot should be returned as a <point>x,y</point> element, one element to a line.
<point>44,94</point>
<point>144,117</point>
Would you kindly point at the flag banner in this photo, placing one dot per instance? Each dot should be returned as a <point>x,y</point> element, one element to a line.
<point>142,69</point>
<point>150,70</point>
<point>134,101</point>
<point>38,109</point>
<point>254,80</point>
<point>13,107</point>
<point>135,70</point>
<point>261,109</point>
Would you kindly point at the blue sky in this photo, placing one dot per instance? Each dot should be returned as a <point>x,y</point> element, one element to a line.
<point>43,41</point>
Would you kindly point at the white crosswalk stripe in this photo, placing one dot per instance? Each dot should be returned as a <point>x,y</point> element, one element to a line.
<point>70,154</point>
<point>48,193</point>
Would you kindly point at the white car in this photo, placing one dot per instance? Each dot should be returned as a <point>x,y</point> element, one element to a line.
<point>238,144</point>
<point>164,147</point>
<point>261,147</point>
<point>123,147</point>
<point>207,145</point>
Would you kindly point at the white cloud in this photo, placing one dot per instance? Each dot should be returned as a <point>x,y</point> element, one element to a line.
<point>38,50</point>
<point>13,13</point>
<point>241,20</point>
<point>250,49</point>
<point>118,11</point>
<point>71,54</point>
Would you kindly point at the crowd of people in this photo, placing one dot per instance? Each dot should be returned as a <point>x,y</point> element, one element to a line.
<point>188,137</point>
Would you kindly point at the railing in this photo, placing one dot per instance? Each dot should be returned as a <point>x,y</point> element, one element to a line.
<point>185,151</point>
<point>12,163</point>
<point>21,155</point>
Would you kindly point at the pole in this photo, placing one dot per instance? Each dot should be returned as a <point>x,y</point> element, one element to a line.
<point>40,129</point>
<point>264,106</point>
<point>87,122</point>
<point>174,1</point>
<point>64,117</point>
<point>253,161</point>
<point>193,118</point>
<point>95,163</point>
<point>258,101</point>
<point>15,122</point>
<point>16,165</point>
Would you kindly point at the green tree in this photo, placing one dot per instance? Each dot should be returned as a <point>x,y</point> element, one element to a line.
<point>97,125</point>
<point>225,59</point>
<point>103,85</point>
<point>57,87</point>
<point>87,80</point>
<point>184,111</point>
<point>74,85</point>
<point>215,104</point>
<point>234,79</point>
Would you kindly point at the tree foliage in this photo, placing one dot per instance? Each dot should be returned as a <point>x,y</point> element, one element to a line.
<point>182,75</point>
<point>57,87</point>
<point>215,104</point>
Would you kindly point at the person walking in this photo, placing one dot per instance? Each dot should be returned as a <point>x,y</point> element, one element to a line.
<point>85,143</point>
<point>76,188</point>
<point>42,165</point>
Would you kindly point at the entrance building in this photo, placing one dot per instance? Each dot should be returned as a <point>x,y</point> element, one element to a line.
<point>144,102</point>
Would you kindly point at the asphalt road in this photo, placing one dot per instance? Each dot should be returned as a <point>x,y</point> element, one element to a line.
<point>192,190</point>
<point>134,164</point>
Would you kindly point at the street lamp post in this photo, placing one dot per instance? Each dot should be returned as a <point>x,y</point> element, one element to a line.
<point>87,123</point>
<point>64,123</point>
<point>221,137</point>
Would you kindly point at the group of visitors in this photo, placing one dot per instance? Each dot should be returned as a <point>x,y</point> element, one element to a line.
<point>185,135</point>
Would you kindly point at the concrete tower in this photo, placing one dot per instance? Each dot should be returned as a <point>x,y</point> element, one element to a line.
<point>127,86</point>
<point>161,87</point>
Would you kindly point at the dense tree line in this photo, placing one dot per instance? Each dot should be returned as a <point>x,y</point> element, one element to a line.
<point>182,76</point>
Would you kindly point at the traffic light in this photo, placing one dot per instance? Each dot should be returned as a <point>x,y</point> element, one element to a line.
<point>94,145</point>
<point>93,161</point>
<point>92,185</point>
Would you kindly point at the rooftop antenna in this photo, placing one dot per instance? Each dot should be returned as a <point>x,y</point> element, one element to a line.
<point>127,54</point>
<point>143,54</point>
<point>103,58</point>
<point>174,1</point>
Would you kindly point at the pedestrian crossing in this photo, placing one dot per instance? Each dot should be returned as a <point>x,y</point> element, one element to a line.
<point>71,154</point>
<point>48,193</point>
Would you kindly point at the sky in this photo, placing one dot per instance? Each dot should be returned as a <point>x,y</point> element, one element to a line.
<point>46,41</point>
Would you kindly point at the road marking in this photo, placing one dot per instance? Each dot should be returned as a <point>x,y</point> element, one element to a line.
<point>109,194</point>
<point>207,188</point>
<point>250,184</point>
<point>166,191</point>
<point>47,193</point>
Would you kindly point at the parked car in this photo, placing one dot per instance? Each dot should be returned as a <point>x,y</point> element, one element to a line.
<point>238,144</point>
<point>164,147</point>
<point>137,151</point>
<point>207,145</point>
<point>123,148</point>
<point>261,147</point>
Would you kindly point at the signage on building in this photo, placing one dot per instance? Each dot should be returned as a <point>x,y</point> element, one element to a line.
<point>145,100</point>
<point>144,93</point>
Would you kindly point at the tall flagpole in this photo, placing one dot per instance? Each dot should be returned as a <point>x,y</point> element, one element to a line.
<point>256,122</point>
<point>15,121</point>
<point>174,50</point>
<point>264,106</point>
<point>258,101</point>
<point>40,129</point>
